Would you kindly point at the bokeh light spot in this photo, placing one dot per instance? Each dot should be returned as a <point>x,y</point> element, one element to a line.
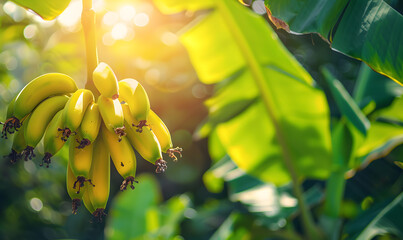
<point>141,20</point>
<point>258,7</point>
<point>169,38</point>
<point>110,18</point>
<point>30,31</point>
<point>36,204</point>
<point>127,13</point>
<point>119,31</point>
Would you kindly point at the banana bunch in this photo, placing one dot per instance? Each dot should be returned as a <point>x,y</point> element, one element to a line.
<point>112,123</point>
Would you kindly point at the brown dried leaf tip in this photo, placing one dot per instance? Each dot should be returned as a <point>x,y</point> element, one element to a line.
<point>81,180</point>
<point>161,166</point>
<point>121,132</point>
<point>66,132</point>
<point>28,153</point>
<point>13,156</point>
<point>129,180</point>
<point>142,123</point>
<point>74,205</point>
<point>46,160</point>
<point>171,153</point>
<point>10,126</point>
<point>99,214</point>
<point>85,142</point>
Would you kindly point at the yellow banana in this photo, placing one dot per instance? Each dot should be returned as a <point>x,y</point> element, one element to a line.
<point>51,141</point>
<point>87,201</point>
<point>131,92</point>
<point>36,91</point>
<point>74,111</point>
<point>80,160</point>
<point>75,196</point>
<point>123,157</point>
<point>145,143</point>
<point>112,114</point>
<point>100,174</point>
<point>164,137</point>
<point>105,81</point>
<point>90,125</point>
<point>39,120</point>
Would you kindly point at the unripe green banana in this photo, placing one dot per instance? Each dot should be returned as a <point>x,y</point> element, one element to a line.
<point>90,125</point>
<point>35,127</point>
<point>75,109</point>
<point>11,124</point>
<point>80,160</point>
<point>18,147</point>
<point>105,81</point>
<point>112,114</point>
<point>136,97</point>
<point>162,133</point>
<point>10,109</point>
<point>100,174</point>
<point>39,89</point>
<point>123,157</point>
<point>75,195</point>
<point>51,141</point>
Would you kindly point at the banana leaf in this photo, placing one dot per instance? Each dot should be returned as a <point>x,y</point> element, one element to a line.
<point>47,9</point>
<point>368,30</point>
<point>283,117</point>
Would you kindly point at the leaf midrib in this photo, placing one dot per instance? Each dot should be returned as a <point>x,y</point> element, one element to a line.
<point>258,76</point>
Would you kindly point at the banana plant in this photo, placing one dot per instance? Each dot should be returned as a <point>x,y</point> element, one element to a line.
<point>367,30</point>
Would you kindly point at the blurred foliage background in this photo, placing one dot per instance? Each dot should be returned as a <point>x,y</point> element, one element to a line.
<point>137,41</point>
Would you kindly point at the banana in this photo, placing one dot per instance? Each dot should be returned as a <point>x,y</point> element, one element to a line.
<point>100,174</point>
<point>105,81</point>
<point>87,201</point>
<point>123,157</point>
<point>36,91</point>
<point>80,160</point>
<point>164,137</point>
<point>19,145</point>
<point>112,115</point>
<point>75,196</point>
<point>51,141</point>
<point>74,111</point>
<point>145,143</point>
<point>10,109</point>
<point>9,126</point>
<point>39,120</point>
<point>90,125</point>
<point>131,92</point>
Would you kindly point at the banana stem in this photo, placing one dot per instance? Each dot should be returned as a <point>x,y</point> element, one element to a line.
<point>88,23</point>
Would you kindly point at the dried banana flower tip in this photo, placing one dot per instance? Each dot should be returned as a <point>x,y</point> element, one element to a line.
<point>10,126</point>
<point>74,205</point>
<point>129,180</point>
<point>161,166</point>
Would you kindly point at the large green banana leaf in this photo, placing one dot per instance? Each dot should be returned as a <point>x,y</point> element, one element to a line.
<point>369,30</point>
<point>47,9</point>
<point>283,117</point>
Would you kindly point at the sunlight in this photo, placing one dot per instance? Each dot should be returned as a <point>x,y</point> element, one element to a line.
<point>119,31</point>
<point>110,18</point>
<point>71,16</point>
<point>141,19</point>
<point>127,13</point>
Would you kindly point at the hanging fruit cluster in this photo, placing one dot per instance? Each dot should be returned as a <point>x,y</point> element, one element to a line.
<point>52,109</point>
